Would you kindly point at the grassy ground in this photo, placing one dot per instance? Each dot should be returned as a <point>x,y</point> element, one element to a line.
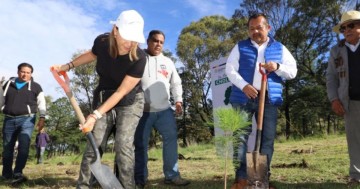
<point>318,163</point>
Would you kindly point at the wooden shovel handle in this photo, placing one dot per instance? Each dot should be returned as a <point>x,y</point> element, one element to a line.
<point>260,117</point>
<point>65,84</point>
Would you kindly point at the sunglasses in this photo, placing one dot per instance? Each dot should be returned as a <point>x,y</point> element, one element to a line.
<point>350,26</point>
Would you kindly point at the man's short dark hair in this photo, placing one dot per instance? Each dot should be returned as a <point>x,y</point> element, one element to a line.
<point>24,64</point>
<point>155,32</point>
<point>256,15</point>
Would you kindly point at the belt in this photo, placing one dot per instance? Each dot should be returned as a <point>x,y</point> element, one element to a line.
<point>24,115</point>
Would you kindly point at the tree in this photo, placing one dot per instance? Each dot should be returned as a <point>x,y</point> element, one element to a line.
<point>231,122</point>
<point>199,44</point>
<point>84,82</point>
<point>62,127</point>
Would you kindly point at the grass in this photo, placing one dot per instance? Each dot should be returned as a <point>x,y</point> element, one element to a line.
<point>314,163</point>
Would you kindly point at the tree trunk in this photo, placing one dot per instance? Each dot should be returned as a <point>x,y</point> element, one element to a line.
<point>287,112</point>
<point>328,124</point>
<point>184,125</point>
<point>304,127</point>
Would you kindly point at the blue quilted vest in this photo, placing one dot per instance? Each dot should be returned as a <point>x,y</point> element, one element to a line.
<point>247,62</point>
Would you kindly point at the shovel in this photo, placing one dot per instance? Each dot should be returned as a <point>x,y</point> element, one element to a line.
<point>102,172</point>
<point>257,167</point>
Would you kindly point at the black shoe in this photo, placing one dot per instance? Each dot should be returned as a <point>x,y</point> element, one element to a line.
<point>18,178</point>
<point>5,179</point>
<point>178,181</point>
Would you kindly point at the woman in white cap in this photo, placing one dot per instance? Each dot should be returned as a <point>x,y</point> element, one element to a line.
<point>343,88</point>
<point>118,98</point>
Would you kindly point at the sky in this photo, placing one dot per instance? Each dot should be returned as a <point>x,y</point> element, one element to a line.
<point>49,32</point>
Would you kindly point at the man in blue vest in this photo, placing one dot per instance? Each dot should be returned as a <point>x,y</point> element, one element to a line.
<point>242,69</point>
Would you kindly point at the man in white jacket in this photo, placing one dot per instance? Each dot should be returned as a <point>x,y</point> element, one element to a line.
<point>159,79</point>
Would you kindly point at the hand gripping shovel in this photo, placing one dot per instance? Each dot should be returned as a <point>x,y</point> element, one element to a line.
<point>257,167</point>
<point>102,172</point>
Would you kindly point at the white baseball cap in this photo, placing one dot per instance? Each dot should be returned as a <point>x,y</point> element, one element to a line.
<point>131,26</point>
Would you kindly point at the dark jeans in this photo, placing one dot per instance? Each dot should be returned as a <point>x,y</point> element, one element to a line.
<point>164,122</point>
<point>268,134</point>
<point>16,128</point>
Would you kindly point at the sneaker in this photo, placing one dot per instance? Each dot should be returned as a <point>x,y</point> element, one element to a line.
<point>178,181</point>
<point>18,178</point>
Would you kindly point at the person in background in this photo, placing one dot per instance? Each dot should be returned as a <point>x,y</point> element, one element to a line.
<point>242,69</point>
<point>42,138</point>
<point>159,79</point>
<point>23,99</point>
<point>343,90</point>
<point>119,97</point>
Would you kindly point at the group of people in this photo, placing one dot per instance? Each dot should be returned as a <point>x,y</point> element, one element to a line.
<point>132,95</point>
<point>242,69</point>
<point>134,91</point>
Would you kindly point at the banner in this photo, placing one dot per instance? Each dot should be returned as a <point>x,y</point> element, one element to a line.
<point>221,90</point>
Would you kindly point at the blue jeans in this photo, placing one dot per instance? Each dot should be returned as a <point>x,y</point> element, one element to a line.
<point>164,122</point>
<point>268,134</point>
<point>16,128</point>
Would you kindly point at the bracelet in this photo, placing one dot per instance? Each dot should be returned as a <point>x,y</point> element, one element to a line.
<point>72,64</point>
<point>277,66</point>
<point>97,114</point>
<point>68,66</point>
<point>93,116</point>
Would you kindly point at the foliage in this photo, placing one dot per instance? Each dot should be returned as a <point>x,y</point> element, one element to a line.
<point>195,134</point>
<point>199,44</point>
<point>326,159</point>
<point>63,128</point>
<point>84,82</point>
<point>63,124</point>
<point>231,121</point>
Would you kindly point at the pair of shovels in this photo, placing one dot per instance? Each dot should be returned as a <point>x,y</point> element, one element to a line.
<point>102,172</point>
<point>257,167</point>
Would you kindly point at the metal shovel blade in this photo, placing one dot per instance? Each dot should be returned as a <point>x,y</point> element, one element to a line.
<point>104,176</point>
<point>257,170</point>
<point>102,172</point>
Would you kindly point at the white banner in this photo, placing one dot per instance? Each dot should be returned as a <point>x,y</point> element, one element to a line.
<point>221,89</point>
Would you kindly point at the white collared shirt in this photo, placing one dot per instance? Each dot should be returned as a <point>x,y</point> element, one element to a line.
<point>352,47</point>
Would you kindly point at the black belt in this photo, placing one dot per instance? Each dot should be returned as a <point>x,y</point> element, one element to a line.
<point>16,116</point>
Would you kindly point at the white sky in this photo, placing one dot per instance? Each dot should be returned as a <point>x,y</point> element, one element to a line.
<point>47,32</point>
